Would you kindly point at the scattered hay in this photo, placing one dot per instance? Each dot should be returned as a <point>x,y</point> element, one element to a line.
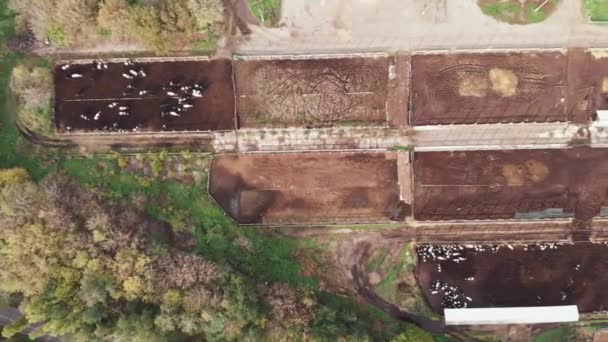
<point>504,81</point>
<point>532,171</point>
<point>514,175</point>
<point>599,53</point>
<point>605,85</point>
<point>473,87</point>
<point>537,171</point>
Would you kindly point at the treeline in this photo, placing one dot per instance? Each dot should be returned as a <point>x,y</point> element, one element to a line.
<point>160,25</point>
<point>94,269</point>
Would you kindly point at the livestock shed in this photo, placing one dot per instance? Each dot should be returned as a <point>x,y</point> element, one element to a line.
<point>515,315</point>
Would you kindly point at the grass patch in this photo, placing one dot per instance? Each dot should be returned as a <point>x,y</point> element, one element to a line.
<point>374,263</point>
<point>400,148</point>
<point>561,334</point>
<point>534,16</point>
<point>443,338</point>
<point>387,288</point>
<point>267,11</point>
<point>511,11</point>
<point>209,44</point>
<point>263,118</point>
<point>597,10</point>
<point>502,10</point>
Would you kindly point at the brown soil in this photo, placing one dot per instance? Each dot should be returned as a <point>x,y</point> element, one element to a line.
<point>312,93</point>
<point>488,88</point>
<point>97,89</point>
<point>586,81</point>
<point>307,187</point>
<point>399,91</point>
<point>498,184</point>
<point>520,277</point>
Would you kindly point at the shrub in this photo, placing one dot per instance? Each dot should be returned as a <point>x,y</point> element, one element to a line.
<point>207,13</point>
<point>38,12</point>
<point>160,25</point>
<point>13,176</point>
<point>76,18</point>
<point>177,23</point>
<point>146,27</point>
<point>413,334</point>
<point>114,17</point>
<point>32,87</point>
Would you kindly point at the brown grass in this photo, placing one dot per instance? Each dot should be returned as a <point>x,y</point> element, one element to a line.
<point>532,171</point>
<point>473,86</point>
<point>504,81</point>
<point>605,85</point>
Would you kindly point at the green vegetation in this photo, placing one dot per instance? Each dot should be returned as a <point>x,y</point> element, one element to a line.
<point>14,149</point>
<point>533,15</point>
<point>400,148</point>
<point>443,338</point>
<point>387,288</point>
<point>413,334</point>
<point>374,263</point>
<point>263,118</point>
<point>512,11</point>
<point>96,275</point>
<point>398,285</point>
<point>597,10</point>
<point>162,25</point>
<point>268,11</point>
<point>561,334</point>
<point>32,88</point>
<point>501,10</point>
<point>263,258</point>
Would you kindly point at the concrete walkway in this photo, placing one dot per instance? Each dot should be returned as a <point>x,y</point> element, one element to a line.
<point>494,136</point>
<point>421,138</point>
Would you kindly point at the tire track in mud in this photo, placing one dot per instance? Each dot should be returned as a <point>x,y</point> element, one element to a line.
<point>364,289</point>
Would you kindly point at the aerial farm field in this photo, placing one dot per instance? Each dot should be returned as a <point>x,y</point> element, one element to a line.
<point>500,184</point>
<point>307,187</point>
<point>193,95</point>
<point>312,92</point>
<point>507,276</point>
<point>488,88</point>
<point>587,83</point>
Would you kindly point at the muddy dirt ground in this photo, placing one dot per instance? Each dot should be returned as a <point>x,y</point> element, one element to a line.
<point>307,187</point>
<point>89,97</point>
<point>524,275</point>
<point>312,93</point>
<point>499,184</point>
<point>488,88</point>
<point>587,84</point>
<point>399,91</point>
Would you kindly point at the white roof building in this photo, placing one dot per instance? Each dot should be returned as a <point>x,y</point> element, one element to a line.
<point>602,118</point>
<point>523,315</point>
